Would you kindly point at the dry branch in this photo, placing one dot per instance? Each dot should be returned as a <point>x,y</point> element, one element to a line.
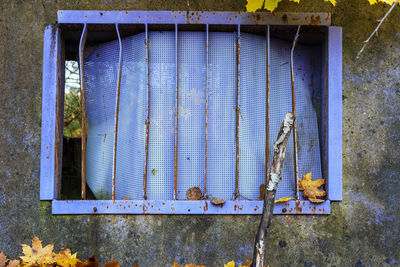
<point>269,196</point>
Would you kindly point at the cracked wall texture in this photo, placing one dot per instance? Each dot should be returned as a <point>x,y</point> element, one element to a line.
<point>363,230</point>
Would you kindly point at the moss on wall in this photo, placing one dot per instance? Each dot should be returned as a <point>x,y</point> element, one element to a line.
<point>363,230</point>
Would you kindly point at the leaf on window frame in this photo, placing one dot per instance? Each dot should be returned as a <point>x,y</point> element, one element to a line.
<point>194,193</point>
<point>333,2</point>
<point>311,189</point>
<point>283,199</point>
<point>253,5</point>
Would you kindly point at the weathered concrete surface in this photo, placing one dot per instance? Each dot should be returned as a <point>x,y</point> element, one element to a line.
<point>363,230</point>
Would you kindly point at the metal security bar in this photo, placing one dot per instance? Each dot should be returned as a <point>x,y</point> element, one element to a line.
<point>209,19</point>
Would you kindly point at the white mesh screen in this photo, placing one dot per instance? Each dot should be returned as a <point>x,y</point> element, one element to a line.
<point>101,67</point>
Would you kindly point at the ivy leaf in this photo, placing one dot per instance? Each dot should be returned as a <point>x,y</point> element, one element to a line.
<point>283,199</point>
<point>231,263</point>
<point>37,254</point>
<point>253,5</point>
<point>310,188</point>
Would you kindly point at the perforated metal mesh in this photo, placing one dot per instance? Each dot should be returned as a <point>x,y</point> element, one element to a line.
<point>162,115</point>
<point>252,104</point>
<point>101,66</point>
<point>221,115</point>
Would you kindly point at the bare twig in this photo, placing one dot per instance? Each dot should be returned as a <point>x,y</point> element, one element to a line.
<point>295,159</point>
<point>269,196</point>
<point>376,29</point>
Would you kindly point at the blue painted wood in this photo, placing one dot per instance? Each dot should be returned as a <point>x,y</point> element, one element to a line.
<point>334,116</point>
<point>193,17</point>
<point>49,171</point>
<point>183,207</point>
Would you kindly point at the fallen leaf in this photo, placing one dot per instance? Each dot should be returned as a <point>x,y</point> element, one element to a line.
<point>65,259</point>
<point>310,188</point>
<point>112,264</point>
<point>194,193</point>
<point>37,255</point>
<point>13,263</point>
<point>217,201</point>
<point>3,259</point>
<point>91,262</point>
<point>175,264</point>
<point>230,264</point>
<point>283,199</point>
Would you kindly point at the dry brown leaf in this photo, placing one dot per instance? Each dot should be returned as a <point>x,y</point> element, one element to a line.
<point>37,254</point>
<point>13,263</point>
<point>65,259</point>
<point>175,264</point>
<point>3,259</point>
<point>217,201</point>
<point>194,193</point>
<point>310,188</point>
<point>112,264</point>
<point>90,262</point>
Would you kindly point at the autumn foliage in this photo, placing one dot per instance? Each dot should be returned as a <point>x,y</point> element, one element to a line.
<point>39,256</point>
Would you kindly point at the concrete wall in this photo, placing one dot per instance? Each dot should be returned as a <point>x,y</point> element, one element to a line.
<point>363,230</point>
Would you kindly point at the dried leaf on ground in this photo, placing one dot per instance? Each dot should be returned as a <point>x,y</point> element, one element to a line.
<point>3,259</point>
<point>112,264</point>
<point>37,255</point>
<point>65,259</point>
<point>283,199</point>
<point>310,188</point>
<point>91,262</point>
<point>230,264</point>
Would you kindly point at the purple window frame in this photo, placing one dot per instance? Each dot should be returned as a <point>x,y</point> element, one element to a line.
<point>52,113</point>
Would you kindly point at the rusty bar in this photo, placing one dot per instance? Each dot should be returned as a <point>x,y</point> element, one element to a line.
<point>148,115</point>
<point>117,98</point>
<point>176,117</point>
<point>206,142</point>
<point>296,170</point>
<point>237,112</point>
<point>267,37</point>
<point>83,107</point>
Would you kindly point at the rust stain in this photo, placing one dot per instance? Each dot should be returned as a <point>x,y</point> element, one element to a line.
<point>256,208</point>
<point>313,209</point>
<point>284,210</point>
<point>107,208</point>
<point>315,20</point>
<point>205,206</point>
<point>235,207</point>
<point>297,206</point>
<point>284,18</point>
<point>144,209</point>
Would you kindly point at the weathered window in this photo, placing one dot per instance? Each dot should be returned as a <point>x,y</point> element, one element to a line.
<point>176,100</point>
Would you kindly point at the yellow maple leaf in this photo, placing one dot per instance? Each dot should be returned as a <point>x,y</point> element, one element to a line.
<point>310,188</point>
<point>389,2</point>
<point>37,255</point>
<point>271,4</point>
<point>65,259</point>
<point>175,264</point>
<point>333,2</point>
<point>253,5</point>
<point>283,199</point>
<point>230,264</point>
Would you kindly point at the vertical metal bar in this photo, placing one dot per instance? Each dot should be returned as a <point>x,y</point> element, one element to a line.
<point>207,92</point>
<point>237,112</point>
<point>83,107</point>
<point>267,37</point>
<point>148,115</point>
<point>176,117</point>
<point>296,170</point>
<point>117,98</point>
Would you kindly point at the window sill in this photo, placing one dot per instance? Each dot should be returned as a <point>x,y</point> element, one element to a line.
<point>183,207</point>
